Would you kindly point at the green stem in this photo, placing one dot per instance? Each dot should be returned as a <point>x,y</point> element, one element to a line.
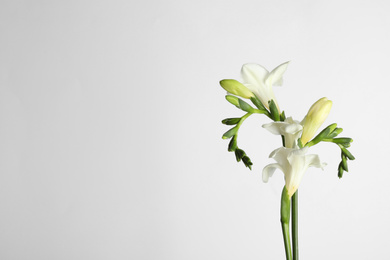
<point>286,239</point>
<point>294,219</point>
<point>285,210</point>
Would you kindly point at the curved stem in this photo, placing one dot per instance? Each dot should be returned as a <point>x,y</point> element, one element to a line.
<point>294,219</point>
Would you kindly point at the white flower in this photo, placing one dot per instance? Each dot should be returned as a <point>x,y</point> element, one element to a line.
<point>293,163</point>
<point>258,80</point>
<point>290,129</point>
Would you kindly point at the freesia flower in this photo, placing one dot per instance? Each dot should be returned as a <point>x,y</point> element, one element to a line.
<point>316,116</point>
<point>236,88</point>
<point>258,80</point>
<point>289,128</point>
<point>293,163</point>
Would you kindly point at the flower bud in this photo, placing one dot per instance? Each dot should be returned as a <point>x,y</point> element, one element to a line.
<point>236,88</point>
<point>316,116</point>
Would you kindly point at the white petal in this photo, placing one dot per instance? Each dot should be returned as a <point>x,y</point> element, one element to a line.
<point>254,74</point>
<point>297,159</point>
<point>252,88</point>
<point>275,77</point>
<point>313,160</point>
<point>274,127</point>
<point>280,156</point>
<point>293,128</point>
<point>269,170</point>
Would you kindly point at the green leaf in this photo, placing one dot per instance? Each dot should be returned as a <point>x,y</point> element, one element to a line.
<point>231,121</point>
<point>233,144</point>
<point>274,110</point>
<point>233,131</point>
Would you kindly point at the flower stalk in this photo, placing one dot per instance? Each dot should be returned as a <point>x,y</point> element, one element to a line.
<point>294,229</point>
<point>285,207</point>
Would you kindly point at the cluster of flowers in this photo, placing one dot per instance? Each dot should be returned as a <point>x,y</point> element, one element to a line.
<point>292,158</point>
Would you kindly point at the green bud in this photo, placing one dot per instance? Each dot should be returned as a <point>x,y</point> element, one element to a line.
<point>240,103</point>
<point>321,136</point>
<point>239,154</point>
<point>335,132</point>
<point>340,170</point>
<point>233,131</point>
<point>245,106</point>
<point>256,101</point>
<point>344,164</point>
<point>282,116</point>
<point>317,114</point>
<point>343,140</point>
<point>274,110</point>
<point>347,145</point>
<point>231,121</point>
<point>233,144</point>
<point>232,99</point>
<point>346,152</point>
<point>300,143</point>
<point>236,88</point>
<point>247,161</point>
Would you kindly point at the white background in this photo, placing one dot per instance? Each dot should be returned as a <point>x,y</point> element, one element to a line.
<point>110,133</point>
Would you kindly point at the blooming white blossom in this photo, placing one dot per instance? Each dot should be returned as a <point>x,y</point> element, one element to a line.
<point>258,80</point>
<point>293,163</point>
<point>290,129</point>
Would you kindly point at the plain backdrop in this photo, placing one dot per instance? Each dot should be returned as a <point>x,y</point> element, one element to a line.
<point>110,128</point>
